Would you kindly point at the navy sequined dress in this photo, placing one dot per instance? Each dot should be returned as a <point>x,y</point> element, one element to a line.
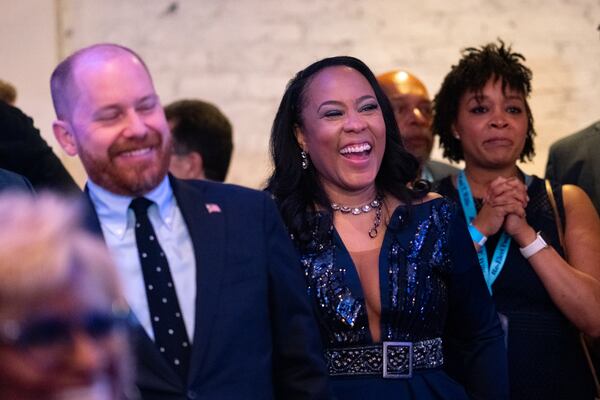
<point>431,286</point>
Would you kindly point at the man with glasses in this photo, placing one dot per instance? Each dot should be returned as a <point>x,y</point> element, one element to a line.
<point>412,108</point>
<point>62,314</point>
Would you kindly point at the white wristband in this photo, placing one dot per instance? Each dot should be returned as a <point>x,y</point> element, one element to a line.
<point>532,248</point>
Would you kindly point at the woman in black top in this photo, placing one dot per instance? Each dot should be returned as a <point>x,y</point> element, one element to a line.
<point>546,291</point>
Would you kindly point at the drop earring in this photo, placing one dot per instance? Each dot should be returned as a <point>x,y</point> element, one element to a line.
<point>304,157</point>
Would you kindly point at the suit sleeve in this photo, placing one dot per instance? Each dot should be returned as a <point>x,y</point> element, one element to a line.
<point>27,185</point>
<point>474,340</point>
<point>24,151</point>
<point>13,181</point>
<point>299,367</point>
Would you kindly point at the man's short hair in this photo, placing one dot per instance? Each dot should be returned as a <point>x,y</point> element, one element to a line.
<point>8,93</point>
<point>201,127</point>
<point>62,83</point>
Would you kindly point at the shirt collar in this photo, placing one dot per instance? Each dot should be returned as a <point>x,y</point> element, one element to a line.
<point>113,209</point>
<point>426,173</point>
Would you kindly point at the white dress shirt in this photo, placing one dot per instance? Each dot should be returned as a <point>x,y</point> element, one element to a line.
<point>117,222</point>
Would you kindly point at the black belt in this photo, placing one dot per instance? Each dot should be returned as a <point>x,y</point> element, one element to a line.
<point>389,359</point>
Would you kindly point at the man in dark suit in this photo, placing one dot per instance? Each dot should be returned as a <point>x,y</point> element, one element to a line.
<point>208,269</point>
<point>24,151</point>
<point>412,108</point>
<point>202,140</point>
<point>12,181</point>
<point>574,159</point>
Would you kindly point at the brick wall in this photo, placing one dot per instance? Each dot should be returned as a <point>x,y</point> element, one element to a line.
<point>239,54</point>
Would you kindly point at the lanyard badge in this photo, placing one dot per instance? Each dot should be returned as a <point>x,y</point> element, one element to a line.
<point>490,271</point>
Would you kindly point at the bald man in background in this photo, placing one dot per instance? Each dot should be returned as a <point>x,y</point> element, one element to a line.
<point>412,109</point>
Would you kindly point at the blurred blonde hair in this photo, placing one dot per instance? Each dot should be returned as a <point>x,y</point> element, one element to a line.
<point>43,248</point>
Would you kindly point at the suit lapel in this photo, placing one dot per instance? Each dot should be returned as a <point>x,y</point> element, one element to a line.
<point>207,231</point>
<point>146,352</point>
<point>90,220</point>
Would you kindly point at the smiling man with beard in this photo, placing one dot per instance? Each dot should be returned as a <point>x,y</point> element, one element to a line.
<point>208,269</point>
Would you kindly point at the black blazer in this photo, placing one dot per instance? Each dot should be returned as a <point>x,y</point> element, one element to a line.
<point>24,151</point>
<point>574,160</point>
<point>255,335</point>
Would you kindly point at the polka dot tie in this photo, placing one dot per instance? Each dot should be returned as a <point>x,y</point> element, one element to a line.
<point>170,335</point>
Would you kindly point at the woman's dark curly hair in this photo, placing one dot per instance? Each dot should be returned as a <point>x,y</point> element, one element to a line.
<point>298,192</point>
<point>474,70</point>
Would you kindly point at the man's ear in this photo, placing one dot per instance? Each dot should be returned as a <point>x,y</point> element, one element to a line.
<point>187,166</point>
<point>63,132</point>
<point>300,138</point>
<point>196,165</point>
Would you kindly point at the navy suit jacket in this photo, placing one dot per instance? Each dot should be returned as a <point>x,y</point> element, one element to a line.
<point>12,181</point>
<point>255,334</point>
<point>574,160</point>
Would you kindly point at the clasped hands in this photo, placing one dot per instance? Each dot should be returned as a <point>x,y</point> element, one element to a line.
<point>504,208</point>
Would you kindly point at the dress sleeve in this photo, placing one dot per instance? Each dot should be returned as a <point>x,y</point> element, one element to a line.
<point>475,353</point>
<point>299,367</point>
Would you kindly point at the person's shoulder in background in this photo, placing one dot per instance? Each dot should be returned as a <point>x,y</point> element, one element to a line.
<point>570,143</point>
<point>25,152</point>
<point>440,170</point>
<point>11,181</point>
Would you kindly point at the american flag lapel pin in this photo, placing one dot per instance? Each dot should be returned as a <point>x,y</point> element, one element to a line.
<point>212,208</point>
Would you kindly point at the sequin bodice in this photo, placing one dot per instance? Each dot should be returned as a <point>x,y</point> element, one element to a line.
<point>414,266</point>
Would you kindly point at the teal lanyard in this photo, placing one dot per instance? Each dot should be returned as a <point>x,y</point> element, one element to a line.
<point>490,272</point>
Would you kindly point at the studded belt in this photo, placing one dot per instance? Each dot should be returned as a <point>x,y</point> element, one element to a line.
<point>390,359</point>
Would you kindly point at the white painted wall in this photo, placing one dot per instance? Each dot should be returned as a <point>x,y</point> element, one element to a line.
<point>239,54</point>
<point>28,54</point>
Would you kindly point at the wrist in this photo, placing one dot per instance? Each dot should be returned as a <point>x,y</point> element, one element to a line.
<point>481,228</point>
<point>525,237</point>
<point>476,235</point>
<point>534,247</point>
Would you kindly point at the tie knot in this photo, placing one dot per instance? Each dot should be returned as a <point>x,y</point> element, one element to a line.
<point>140,205</point>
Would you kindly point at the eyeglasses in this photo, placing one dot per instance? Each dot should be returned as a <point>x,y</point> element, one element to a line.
<point>54,332</point>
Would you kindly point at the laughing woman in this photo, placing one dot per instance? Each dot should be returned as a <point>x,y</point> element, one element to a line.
<point>391,271</point>
<point>547,290</point>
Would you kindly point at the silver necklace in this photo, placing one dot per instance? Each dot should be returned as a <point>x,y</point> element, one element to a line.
<point>376,204</point>
<point>373,204</point>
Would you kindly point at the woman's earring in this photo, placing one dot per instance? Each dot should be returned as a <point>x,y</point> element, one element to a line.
<point>304,159</point>
<point>456,136</point>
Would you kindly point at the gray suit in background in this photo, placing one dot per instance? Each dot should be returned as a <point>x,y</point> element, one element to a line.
<point>576,160</point>
<point>439,170</point>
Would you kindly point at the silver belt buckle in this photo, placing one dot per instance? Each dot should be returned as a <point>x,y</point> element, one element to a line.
<point>391,374</point>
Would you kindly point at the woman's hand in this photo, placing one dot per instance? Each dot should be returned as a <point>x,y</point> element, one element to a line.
<point>516,224</point>
<point>504,197</point>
